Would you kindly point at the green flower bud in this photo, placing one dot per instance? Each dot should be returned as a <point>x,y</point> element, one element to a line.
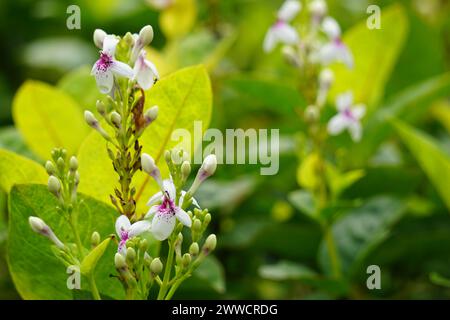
<point>143,245</point>
<point>116,119</point>
<point>73,164</point>
<point>101,108</point>
<point>156,266</point>
<point>197,225</point>
<point>147,259</point>
<point>119,261</point>
<point>194,249</point>
<point>210,243</point>
<point>207,219</point>
<point>131,255</point>
<point>54,186</point>
<point>186,260</point>
<point>146,35</point>
<point>50,168</point>
<point>60,164</point>
<point>168,157</point>
<point>185,169</point>
<point>95,239</point>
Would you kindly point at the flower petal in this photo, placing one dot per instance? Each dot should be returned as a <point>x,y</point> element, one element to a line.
<point>169,187</point>
<point>121,69</point>
<point>183,217</point>
<point>270,41</point>
<point>143,74</point>
<point>103,78</point>
<point>157,197</point>
<point>286,33</point>
<point>109,44</point>
<point>355,130</point>
<point>344,101</point>
<point>289,10</point>
<point>139,227</point>
<point>337,124</point>
<point>162,226</point>
<point>359,111</point>
<point>122,224</point>
<point>151,212</point>
<point>331,28</point>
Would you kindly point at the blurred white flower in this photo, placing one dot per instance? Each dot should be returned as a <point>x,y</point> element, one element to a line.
<point>281,31</point>
<point>334,50</point>
<point>348,117</point>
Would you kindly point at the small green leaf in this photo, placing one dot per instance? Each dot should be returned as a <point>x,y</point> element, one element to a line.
<point>16,169</point>
<point>304,201</point>
<point>434,161</point>
<point>338,182</point>
<point>375,53</point>
<point>48,118</point>
<point>91,260</point>
<point>286,270</point>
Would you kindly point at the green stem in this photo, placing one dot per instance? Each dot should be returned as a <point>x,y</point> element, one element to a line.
<point>332,252</point>
<point>93,286</point>
<point>175,286</point>
<point>167,271</point>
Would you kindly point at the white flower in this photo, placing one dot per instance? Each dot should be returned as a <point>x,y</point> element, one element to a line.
<point>144,72</point>
<point>281,31</point>
<point>335,49</point>
<point>39,226</point>
<point>165,211</point>
<point>106,66</point>
<point>348,117</point>
<point>125,230</point>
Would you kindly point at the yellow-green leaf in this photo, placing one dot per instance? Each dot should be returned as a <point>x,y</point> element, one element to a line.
<point>434,161</point>
<point>338,181</point>
<point>441,112</point>
<point>15,169</point>
<point>375,53</point>
<point>307,172</point>
<point>48,118</point>
<point>179,18</point>
<point>183,97</point>
<point>91,260</point>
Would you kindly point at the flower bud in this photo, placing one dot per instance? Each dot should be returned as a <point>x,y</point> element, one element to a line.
<point>185,169</point>
<point>116,119</point>
<point>194,249</point>
<point>60,164</point>
<point>39,226</point>
<point>146,35</point>
<point>210,243</point>
<point>73,163</point>
<point>131,255</point>
<point>90,119</point>
<point>147,259</point>
<point>119,261</point>
<point>151,115</point>
<point>143,245</point>
<point>156,266</point>
<point>207,219</point>
<point>312,113</point>
<point>95,238</point>
<point>197,225</point>
<point>186,260</point>
<point>101,108</point>
<point>149,167</point>
<point>207,169</point>
<point>326,78</point>
<point>54,186</point>
<point>318,9</point>
<point>50,168</point>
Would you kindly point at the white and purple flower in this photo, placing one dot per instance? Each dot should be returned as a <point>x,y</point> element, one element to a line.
<point>165,211</point>
<point>348,117</point>
<point>106,67</point>
<point>125,230</point>
<point>281,31</point>
<point>335,50</point>
<point>145,71</point>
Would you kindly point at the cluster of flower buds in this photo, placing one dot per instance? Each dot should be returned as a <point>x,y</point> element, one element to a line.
<point>312,47</point>
<point>124,73</point>
<point>63,178</point>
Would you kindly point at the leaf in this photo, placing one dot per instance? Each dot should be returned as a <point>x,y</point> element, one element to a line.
<point>430,157</point>
<point>11,139</point>
<point>81,86</point>
<point>304,201</point>
<point>91,260</point>
<point>360,231</point>
<point>308,171</point>
<point>286,270</point>
<point>48,118</point>
<point>375,53</point>
<point>282,98</point>
<point>179,18</point>
<point>441,112</point>
<point>36,272</point>
<point>211,271</point>
<point>16,169</point>
<point>338,182</point>
<point>183,97</point>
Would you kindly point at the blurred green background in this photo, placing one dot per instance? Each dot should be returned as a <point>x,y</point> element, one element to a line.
<point>267,248</point>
